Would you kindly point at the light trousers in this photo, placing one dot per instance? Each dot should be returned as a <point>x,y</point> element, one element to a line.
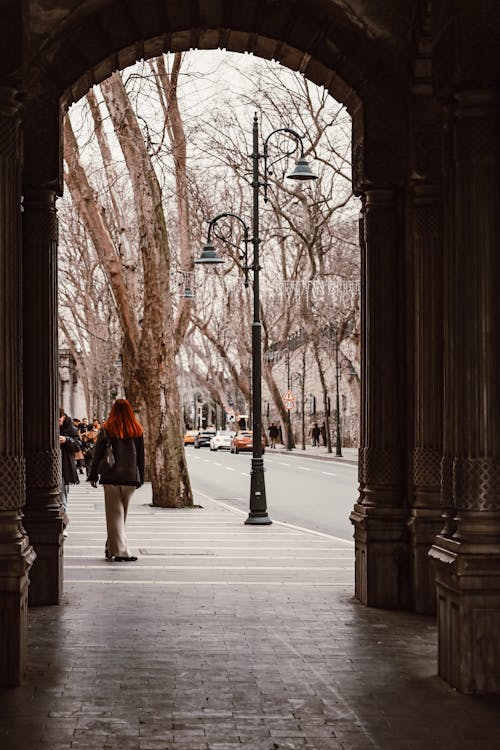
<point>116,501</point>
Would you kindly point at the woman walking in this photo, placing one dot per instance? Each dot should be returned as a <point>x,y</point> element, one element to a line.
<point>123,433</point>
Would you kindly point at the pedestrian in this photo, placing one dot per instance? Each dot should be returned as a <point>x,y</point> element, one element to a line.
<point>273,434</point>
<point>123,433</point>
<point>315,432</point>
<point>68,442</point>
<point>89,439</point>
<point>78,454</point>
<point>323,433</point>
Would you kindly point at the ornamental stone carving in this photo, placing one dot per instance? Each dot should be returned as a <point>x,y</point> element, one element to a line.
<point>12,483</point>
<point>447,480</point>
<point>43,468</point>
<point>426,467</point>
<point>381,467</point>
<point>476,483</point>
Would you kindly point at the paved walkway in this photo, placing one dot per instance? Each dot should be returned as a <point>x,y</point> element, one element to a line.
<point>349,455</point>
<point>227,637</point>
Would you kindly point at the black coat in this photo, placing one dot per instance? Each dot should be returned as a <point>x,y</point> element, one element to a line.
<point>68,448</point>
<point>129,461</point>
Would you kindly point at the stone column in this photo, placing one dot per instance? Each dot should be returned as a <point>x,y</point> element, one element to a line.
<point>468,562</point>
<point>379,518</point>
<point>16,553</point>
<point>44,516</point>
<point>426,516</point>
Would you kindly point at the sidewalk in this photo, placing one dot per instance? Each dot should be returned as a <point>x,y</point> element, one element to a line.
<point>227,637</point>
<point>349,455</point>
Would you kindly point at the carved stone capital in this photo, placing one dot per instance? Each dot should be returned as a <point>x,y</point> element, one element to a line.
<point>43,469</point>
<point>9,131</point>
<point>40,214</point>
<point>476,483</point>
<point>427,468</point>
<point>381,468</point>
<point>12,482</point>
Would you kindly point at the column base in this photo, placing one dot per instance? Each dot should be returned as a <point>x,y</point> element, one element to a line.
<point>382,567</point>
<point>424,525</point>
<point>468,601</point>
<point>45,531</point>
<point>16,558</point>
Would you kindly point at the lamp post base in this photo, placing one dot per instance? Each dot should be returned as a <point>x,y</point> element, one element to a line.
<point>258,505</point>
<point>258,520</point>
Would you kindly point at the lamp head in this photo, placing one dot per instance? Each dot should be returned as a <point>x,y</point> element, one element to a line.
<point>209,256</point>
<point>302,171</point>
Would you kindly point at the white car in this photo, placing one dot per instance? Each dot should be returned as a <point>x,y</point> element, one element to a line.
<point>221,440</point>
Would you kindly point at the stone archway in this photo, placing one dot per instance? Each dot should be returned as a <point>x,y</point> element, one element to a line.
<point>401,77</point>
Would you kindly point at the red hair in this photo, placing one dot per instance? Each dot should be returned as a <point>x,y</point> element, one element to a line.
<point>121,422</point>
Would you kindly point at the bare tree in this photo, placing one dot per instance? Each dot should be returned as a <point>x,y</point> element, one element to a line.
<point>145,310</point>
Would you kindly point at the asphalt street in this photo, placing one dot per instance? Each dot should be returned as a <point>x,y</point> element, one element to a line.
<point>313,494</point>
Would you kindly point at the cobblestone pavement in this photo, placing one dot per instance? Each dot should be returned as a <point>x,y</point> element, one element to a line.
<point>227,637</point>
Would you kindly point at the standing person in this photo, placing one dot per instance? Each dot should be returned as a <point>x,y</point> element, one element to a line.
<point>78,455</point>
<point>323,434</point>
<point>126,436</point>
<point>89,439</point>
<point>273,434</point>
<point>315,433</point>
<point>68,442</point>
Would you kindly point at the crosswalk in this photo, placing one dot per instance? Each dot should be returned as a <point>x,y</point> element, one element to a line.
<point>205,546</point>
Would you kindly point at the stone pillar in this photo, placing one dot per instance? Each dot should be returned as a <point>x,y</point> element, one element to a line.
<point>426,516</point>
<point>16,553</point>
<point>468,562</point>
<point>425,338</point>
<point>44,516</point>
<point>379,518</point>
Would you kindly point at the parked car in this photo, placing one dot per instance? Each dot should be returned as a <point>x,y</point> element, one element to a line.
<point>222,440</point>
<point>203,438</point>
<point>190,436</point>
<point>243,441</point>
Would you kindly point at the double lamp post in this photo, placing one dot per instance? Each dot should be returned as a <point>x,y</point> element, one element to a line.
<point>258,504</point>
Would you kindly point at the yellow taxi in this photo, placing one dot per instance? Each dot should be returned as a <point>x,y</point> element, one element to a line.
<point>190,436</point>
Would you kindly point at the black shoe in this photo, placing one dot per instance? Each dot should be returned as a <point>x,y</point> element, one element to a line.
<point>131,558</point>
<point>107,555</point>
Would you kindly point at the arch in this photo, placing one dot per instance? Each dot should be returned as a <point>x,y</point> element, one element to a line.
<point>328,42</point>
<point>360,57</point>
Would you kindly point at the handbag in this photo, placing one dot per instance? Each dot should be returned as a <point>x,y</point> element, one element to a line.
<point>107,462</point>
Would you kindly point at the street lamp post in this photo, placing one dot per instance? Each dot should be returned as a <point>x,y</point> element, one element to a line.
<point>338,442</point>
<point>258,503</point>
<point>289,445</point>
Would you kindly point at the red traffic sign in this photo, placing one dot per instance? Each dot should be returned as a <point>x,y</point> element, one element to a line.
<point>289,401</point>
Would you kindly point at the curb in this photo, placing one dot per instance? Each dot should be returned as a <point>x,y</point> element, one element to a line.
<point>319,457</point>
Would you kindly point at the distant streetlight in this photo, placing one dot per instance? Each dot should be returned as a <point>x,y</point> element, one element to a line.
<point>338,441</point>
<point>258,504</point>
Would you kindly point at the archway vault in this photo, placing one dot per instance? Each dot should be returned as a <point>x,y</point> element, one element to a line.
<point>343,46</point>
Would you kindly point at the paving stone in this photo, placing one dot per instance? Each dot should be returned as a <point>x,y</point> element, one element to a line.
<point>156,659</point>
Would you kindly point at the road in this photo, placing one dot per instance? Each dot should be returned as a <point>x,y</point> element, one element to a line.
<point>311,493</point>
